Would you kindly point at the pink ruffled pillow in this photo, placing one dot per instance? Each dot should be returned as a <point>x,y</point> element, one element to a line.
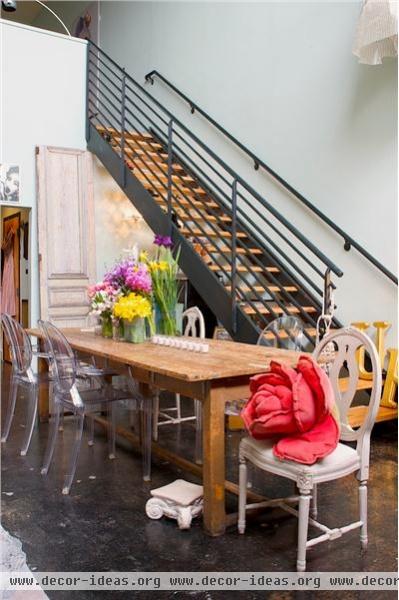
<point>296,406</point>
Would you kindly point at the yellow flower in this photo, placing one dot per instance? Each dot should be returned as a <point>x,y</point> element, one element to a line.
<point>163,265</point>
<point>143,256</point>
<point>132,306</point>
<point>153,265</point>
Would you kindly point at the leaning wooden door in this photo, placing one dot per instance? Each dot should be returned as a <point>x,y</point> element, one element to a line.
<point>66,234</point>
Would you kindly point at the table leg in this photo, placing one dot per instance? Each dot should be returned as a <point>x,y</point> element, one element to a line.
<point>214,463</point>
<point>146,429</point>
<point>43,389</point>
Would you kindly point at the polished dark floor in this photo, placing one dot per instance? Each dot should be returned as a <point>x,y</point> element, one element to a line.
<point>102,526</point>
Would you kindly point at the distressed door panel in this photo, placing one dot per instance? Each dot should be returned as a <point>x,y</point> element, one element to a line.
<point>66,233</point>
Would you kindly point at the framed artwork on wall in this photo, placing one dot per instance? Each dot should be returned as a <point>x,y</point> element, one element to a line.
<point>9,184</point>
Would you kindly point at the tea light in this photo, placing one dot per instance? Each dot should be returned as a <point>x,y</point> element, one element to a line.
<point>181,344</point>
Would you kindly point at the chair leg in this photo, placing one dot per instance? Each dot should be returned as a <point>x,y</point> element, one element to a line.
<point>10,409</point>
<point>91,430</point>
<point>178,407</point>
<point>75,453</point>
<point>242,495</point>
<point>313,503</point>
<point>146,437</point>
<point>198,431</point>
<point>31,418</point>
<point>155,416</point>
<point>111,430</point>
<point>363,513</point>
<point>303,523</point>
<point>52,438</point>
<point>62,415</point>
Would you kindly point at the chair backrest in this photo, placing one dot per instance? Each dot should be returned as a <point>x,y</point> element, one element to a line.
<point>195,326</point>
<point>346,343</point>
<point>284,332</point>
<point>62,358</point>
<point>19,343</point>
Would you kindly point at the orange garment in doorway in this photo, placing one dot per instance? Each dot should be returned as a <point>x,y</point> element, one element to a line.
<point>8,304</point>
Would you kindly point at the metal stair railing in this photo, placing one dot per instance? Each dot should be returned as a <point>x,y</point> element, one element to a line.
<point>349,242</point>
<point>120,106</point>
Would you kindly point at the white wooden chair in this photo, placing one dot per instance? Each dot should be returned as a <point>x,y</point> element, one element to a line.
<point>195,327</point>
<point>341,462</point>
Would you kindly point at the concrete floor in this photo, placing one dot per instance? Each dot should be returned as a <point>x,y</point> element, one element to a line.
<point>101,525</point>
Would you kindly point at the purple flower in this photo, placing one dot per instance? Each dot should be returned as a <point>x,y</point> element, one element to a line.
<point>163,240</point>
<point>139,279</point>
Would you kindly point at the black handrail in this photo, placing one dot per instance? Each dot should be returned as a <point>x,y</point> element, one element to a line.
<point>348,240</point>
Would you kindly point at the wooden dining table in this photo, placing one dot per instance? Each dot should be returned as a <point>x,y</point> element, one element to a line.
<point>216,377</point>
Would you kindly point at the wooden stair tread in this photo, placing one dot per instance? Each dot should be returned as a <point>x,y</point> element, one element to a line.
<point>134,141</point>
<point>283,334</point>
<point>243,269</point>
<point>158,185</point>
<point>131,134</point>
<point>228,250</point>
<point>201,204</point>
<point>199,233</point>
<point>206,218</point>
<point>159,157</point>
<point>263,310</point>
<point>265,288</point>
<point>156,174</point>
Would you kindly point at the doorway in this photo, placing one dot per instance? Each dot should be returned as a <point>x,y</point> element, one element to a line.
<point>15,266</point>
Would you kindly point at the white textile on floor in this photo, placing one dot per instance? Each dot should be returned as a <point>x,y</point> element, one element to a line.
<point>13,558</point>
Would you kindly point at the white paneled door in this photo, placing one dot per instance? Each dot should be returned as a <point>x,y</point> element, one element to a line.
<point>66,234</point>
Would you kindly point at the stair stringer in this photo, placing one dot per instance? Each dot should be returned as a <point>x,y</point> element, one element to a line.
<point>205,282</point>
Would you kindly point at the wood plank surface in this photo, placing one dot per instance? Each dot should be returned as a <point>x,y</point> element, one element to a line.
<point>357,414</point>
<point>224,359</point>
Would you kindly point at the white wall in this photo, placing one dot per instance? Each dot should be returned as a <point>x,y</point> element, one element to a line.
<point>42,102</point>
<point>281,77</point>
<point>118,223</point>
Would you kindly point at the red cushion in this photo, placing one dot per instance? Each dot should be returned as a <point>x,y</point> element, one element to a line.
<point>294,405</point>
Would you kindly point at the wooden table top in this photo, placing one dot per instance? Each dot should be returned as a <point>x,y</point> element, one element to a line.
<point>225,358</point>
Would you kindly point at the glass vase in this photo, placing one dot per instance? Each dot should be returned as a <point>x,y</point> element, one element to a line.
<point>117,329</point>
<point>165,320</point>
<point>106,326</point>
<point>134,331</point>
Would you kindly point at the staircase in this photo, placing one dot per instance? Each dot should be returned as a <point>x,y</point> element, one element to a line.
<point>249,263</point>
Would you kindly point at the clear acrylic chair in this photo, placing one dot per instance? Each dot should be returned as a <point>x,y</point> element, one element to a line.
<point>74,392</point>
<point>284,332</point>
<point>88,373</point>
<point>194,327</point>
<point>341,462</point>
<point>22,375</point>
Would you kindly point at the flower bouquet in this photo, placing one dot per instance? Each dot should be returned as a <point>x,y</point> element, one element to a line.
<point>102,298</point>
<point>134,309</point>
<point>164,268</point>
<point>122,299</point>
